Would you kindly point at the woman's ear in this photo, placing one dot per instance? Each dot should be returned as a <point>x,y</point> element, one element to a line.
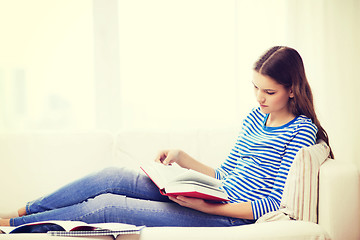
<point>291,93</point>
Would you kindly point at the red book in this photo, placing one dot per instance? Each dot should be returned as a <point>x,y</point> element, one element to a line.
<point>174,181</point>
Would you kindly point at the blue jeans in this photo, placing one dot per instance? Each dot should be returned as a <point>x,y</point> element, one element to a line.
<point>118,195</point>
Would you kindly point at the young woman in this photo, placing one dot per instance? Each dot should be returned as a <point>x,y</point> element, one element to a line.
<point>253,174</point>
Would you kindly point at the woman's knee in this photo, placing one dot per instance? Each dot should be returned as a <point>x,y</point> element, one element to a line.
<point>115,177</point>
<point>107,200</point>
<point>110,171</point>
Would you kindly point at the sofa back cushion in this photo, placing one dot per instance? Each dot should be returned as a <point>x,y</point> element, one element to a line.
<point>209,146</point>
<point>34,164</point>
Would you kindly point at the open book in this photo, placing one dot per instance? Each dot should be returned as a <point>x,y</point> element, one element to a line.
<point>74,228</point>
<point>173,180</point>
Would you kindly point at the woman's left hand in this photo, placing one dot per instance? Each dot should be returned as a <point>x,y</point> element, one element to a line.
<point>194,203</point>
<point>236,210</point>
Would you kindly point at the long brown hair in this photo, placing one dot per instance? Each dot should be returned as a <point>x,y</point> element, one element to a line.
<point>285,66</point>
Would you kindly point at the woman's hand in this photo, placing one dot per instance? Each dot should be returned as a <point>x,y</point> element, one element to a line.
<point>167,157</point>
<point>194,203</point>
<point>236,210</point>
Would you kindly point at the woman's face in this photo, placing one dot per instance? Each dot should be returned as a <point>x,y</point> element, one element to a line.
<point>272,96</point>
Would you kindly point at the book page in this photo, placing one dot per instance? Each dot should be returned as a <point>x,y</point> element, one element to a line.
<point>66,225</point>
<point>38,227</point>
<point>6,230</point>
<point>194,183</point>
<point>110,226</point>
<point>195,176</point>
<point>196,190</point>
<point>70,226</point>
<point>163,175</point>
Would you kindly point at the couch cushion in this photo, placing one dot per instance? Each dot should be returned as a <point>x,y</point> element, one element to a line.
<point>280,230</point>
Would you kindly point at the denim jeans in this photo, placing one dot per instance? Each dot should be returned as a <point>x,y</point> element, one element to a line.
<point>118,195</point>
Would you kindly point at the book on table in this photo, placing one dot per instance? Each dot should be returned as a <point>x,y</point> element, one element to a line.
<point>173,180</point>
<point>74,228</point>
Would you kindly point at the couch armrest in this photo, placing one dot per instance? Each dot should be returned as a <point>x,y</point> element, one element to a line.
<point>339,199</point>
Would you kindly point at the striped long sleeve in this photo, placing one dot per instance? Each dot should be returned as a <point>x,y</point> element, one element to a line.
<point>256,168</point>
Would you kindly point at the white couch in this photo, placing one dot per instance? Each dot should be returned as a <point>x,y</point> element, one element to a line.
<point>33,164</point>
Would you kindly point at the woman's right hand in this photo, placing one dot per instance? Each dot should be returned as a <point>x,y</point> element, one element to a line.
<point>167,157</point>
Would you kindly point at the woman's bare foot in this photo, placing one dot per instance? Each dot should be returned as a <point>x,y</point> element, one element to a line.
<point>22,211</point>
<point>5,222</point>
<point>13,214</point>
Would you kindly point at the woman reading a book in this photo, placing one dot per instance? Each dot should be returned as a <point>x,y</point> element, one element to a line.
<point>253,175</point>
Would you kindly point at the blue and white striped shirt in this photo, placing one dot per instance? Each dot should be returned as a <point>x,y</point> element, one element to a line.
<point>257,166</point>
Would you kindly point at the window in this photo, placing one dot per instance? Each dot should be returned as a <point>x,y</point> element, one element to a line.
<point>82,64</point>
<point>46,65</point>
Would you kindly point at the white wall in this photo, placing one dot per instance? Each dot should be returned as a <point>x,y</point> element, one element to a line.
<point>181,64</point>
<point>177,64</point>
<point>188,64</point>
